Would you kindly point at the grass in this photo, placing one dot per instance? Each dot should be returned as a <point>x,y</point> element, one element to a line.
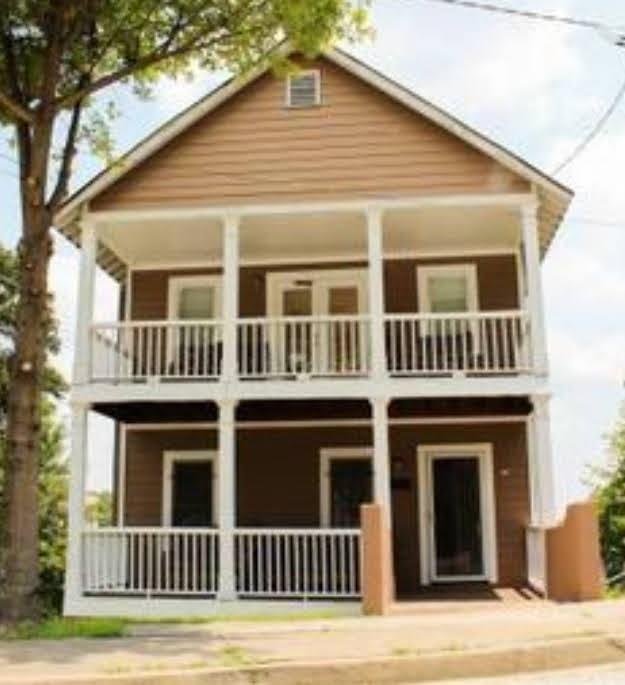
<point>242,618</point>
<point>234,656</point>
<point>59,628</point>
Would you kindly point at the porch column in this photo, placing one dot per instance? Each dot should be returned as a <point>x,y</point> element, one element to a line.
<point>226,488</point>
<point>85,296</point>
<point>534,299</point>
<point>376,291</point>
<point>381,469</point>
<point>544,510</point>
<point>230,291</point>
<point>75,509</point>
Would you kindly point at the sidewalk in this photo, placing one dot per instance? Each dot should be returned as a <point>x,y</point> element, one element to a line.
<point>594,632</point>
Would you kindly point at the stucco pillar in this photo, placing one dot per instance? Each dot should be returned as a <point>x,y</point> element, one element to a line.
<point>377,580</point>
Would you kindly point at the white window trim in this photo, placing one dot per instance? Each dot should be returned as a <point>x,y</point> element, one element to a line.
<point>327,455</point>
<point>170,457</point>
<point>303,72</point>
<point>426,454</point>
<point>277,281</point>
<point>177,283</point>
<point>468,271</point>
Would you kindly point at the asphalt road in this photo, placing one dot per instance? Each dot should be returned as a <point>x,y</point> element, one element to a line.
<point>593,675</point>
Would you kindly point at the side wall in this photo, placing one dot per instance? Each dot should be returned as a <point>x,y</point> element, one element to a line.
<point>278,481</point>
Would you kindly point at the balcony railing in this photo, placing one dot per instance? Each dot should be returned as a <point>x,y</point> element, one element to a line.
<point>474,343</point>
<point>268,562</point>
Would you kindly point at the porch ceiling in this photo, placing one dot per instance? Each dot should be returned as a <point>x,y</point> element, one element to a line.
<point>301,237</point>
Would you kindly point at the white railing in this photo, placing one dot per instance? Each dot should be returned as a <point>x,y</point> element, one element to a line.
<point>474,342</point>
<point>303,346</point>
<point>535,541</point>
<point>141,350</point>
<point>150,561</point>
<point>296,562</point>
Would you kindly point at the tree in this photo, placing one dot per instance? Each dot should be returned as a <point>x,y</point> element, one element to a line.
<point>611,501</point>
<point>52,467</point>
<point>55,57</point>
<point>99,508</point>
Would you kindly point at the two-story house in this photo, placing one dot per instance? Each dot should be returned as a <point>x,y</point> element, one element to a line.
<point>331,294</point>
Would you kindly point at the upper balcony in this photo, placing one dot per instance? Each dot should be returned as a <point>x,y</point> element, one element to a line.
<point>441,292</point>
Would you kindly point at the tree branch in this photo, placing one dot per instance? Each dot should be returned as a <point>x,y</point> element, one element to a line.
<point>14,109</point>
<point>67,157</point>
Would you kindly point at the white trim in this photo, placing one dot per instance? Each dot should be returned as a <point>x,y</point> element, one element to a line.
<point>170,457</point>
<point>326,456</point>
<point>323,259</point>
<point>128,294</point>
<point>316,73</point>
<point>329,423</point>
<point>175,285</point>
<point>161,607</point>
<point>467,270</point>
<point>426,453</point>
<point>186,213</point>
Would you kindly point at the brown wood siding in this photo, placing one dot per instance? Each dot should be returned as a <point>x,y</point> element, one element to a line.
<point>497,284</point>
<point>357,143</point>
<point>278,481</point>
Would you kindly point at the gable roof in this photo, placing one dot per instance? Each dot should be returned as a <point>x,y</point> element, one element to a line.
<point>554,197</point>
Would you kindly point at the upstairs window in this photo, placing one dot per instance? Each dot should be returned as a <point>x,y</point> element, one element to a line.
<point>448,288</point>
<point>303,89</point>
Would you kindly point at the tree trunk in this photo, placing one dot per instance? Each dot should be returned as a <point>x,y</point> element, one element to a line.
<point>21,541</point>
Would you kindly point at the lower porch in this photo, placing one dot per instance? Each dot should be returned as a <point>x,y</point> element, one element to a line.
<point>460,500</point>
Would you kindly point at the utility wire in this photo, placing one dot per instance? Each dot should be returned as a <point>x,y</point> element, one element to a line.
<point>617,33</point>
<point>595,131</point>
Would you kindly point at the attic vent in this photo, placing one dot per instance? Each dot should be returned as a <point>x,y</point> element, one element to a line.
<point>303,89</point>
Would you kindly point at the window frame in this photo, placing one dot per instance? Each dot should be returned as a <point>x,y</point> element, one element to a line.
<point>326,456</point>
<point>466,270</point>
<point>303,72</point>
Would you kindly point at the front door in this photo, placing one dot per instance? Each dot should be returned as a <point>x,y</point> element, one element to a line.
<point>459,514</point>
<point>192,494</point>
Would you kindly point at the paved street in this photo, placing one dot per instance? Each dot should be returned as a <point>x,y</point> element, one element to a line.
<point>594,675</point>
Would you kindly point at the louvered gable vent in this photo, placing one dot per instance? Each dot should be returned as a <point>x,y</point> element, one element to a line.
<point>303,89</point>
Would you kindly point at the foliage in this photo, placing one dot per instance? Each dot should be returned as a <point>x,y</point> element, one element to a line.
<point>99,508</point>
<point>610,494</point>
<point>58,628</point>
<point>52,465</point>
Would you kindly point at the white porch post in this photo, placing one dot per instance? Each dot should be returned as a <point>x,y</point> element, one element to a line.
<point>534,301</point>
<point>77,474</point>
<point>381,467</point>
<point>230,290</point>
<point>86,287</point>
<point>542,481</point>
<point>376,291</point>
<point>227,499</point>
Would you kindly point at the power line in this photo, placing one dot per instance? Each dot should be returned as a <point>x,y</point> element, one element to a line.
<point>616,33</point>
<point>605,223</point>
<point>595,131</point>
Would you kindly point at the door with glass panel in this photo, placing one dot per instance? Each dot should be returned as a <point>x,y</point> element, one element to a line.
<point>330,339</point>
<point>458,506</point>
<point>194,336</point>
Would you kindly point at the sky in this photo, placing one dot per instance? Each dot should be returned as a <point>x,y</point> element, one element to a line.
<point>536,88</point>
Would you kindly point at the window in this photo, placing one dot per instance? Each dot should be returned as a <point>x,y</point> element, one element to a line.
<point>448,288</point>
<point>303,89</point>
<point>194,297</point>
